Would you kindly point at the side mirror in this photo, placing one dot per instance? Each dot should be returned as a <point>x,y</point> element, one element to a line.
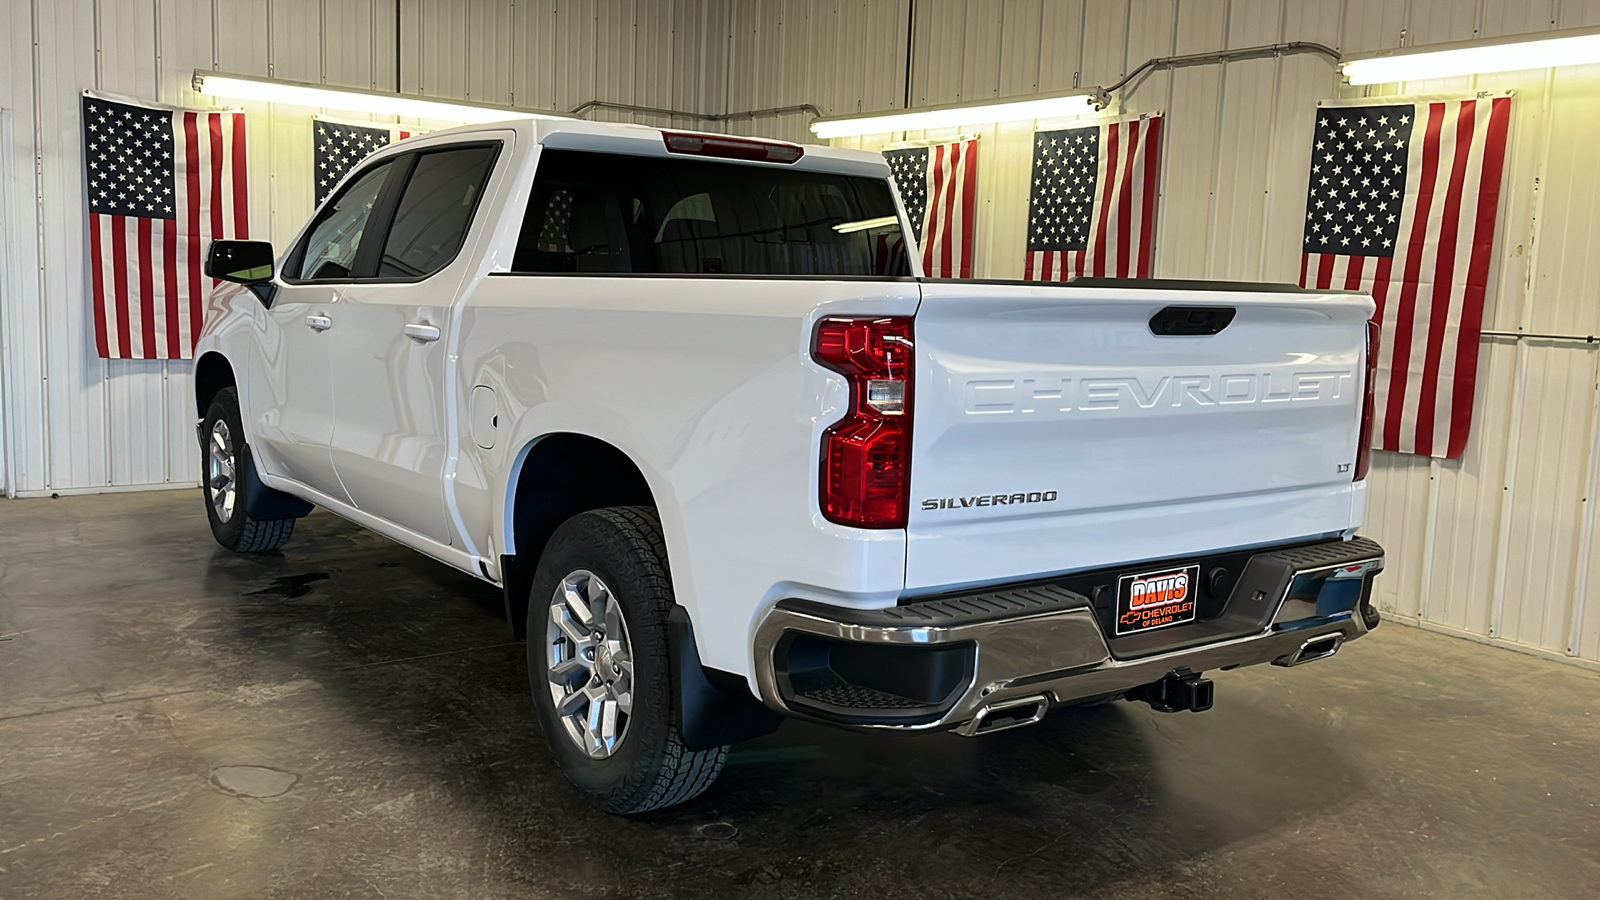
<point>249,263</point>
<point>242,262</point>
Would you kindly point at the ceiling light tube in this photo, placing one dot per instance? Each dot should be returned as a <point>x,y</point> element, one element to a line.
<point>1504,54</point>
<point>958,114</point>
<point>273,90</point>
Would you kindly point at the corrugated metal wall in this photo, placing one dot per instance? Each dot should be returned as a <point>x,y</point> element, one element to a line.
<point>1497,545</point>
<point>77,422</point>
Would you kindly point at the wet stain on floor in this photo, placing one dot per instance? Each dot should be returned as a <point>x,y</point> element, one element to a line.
<point>290,587</point>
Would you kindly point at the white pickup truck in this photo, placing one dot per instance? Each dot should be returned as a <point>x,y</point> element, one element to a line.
<point>688,400</point>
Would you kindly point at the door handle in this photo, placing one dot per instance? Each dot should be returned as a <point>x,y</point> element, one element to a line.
<point>319,323</point>
<point>421,332</point>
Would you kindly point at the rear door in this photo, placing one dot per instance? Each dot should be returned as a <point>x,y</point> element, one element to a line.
<point>391,350</point>
<point>1055,430</point>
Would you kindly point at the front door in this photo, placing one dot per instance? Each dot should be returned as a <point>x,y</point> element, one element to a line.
<point>291,377</point>
<point>391,349</point>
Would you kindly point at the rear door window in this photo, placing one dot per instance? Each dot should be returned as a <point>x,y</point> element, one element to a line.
<point>434,211</point>
<point>612,213</point>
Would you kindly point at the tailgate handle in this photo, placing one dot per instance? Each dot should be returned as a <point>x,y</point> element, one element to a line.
<point>1179,321</point>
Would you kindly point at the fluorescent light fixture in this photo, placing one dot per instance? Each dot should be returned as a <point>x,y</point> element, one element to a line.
<point>1504,54</point>
<point>864,224</point>
<point>273,90</point>
<point>957,114</point>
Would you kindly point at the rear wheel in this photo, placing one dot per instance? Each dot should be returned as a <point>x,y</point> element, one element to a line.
<point>226,458</point>
<point>599,664</point>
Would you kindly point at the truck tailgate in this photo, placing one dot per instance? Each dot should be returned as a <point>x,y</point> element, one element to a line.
<point>1054,431</point>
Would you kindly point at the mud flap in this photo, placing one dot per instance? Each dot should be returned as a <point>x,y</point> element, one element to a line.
<point>714,708</point>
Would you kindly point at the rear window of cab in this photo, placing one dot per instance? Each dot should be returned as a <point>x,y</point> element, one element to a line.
<point>602,213</point>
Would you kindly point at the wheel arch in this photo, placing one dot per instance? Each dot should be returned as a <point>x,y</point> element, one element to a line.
<point>555,477</point>
<point>212,373</point>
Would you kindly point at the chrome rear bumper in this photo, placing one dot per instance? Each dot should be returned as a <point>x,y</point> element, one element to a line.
<point>1001,648</point>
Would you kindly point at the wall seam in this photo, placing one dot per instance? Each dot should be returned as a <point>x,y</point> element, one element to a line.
<point>1520,378</point>
<point>1216,171</point>
<point>1273,135</point>
<point>166,366</point>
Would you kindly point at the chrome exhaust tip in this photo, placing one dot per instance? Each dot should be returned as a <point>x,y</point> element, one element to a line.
<point>1006,714</point>
<point>1320,647</point>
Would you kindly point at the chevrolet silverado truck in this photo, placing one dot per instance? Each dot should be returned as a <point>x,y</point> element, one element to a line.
<point>687,399</point>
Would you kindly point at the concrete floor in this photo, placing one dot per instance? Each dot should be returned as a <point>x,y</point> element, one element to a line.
<point>348,719</point>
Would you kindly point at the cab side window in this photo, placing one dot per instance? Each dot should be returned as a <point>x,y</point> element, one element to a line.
<point>329,250</point>
<point>434,211</point>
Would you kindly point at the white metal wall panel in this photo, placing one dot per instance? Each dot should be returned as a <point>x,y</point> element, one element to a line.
<point>488,51</point>
<point>1193,105</point>
<point>1060,55</point>
<point>75,386</point>
<point>345,44</point>
<point>533,53</point>
<point>1020,47</point>
<point>1371,25</point>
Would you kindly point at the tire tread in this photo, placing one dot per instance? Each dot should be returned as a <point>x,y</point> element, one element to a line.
<point>253,535</point>
<point>684,773</point>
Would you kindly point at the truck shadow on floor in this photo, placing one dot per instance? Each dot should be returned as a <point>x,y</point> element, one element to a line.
<point>421,694</point>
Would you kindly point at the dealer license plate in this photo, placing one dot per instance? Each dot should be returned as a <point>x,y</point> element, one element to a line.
<point>1157,599</point>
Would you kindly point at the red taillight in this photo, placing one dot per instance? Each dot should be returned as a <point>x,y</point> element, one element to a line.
<point>866,456</point>
<point>731,148</point>
<point>1364,449</point>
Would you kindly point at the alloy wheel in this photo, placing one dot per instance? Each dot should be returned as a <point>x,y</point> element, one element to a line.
<point>221,471</point>
<point>590,663</point>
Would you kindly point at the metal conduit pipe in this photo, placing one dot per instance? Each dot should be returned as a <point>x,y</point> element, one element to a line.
<point>1521,335</point>
<point>1103,95</point>
<point>1288,48</point>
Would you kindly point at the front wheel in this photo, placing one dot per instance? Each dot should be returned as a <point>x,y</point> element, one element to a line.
<point>226,458</point>
<point>599,666</point>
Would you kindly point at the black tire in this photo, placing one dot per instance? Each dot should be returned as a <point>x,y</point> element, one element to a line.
<point>239,531</point>
<point>649,767</point>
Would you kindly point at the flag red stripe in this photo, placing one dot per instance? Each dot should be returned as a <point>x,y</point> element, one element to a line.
<point>1325,272</point>
<point>1406,316</point>
<point>97,275</point>
<point>1466,371</point>
<point>147,292</point>
<point>119,281</point>
<point>191,158</point>
<point>969,208</point>
<point>952,162</point>
<point>928,212</point>
<point>241,192</point>
<point>1444,277</point>
<point>1352,277</point>
<point>214,126</point>
<point>1125,202</point>
<point>1027,266</point>
<point>1147,227</point>
<point>1380,290</point>
<point>1305,261</point>
<point>1049,264</point>
<point>1112,134</point>
<point>169,272</point>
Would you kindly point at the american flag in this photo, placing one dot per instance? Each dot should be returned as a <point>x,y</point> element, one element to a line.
<point>1092,201</point>
<point>161,184</point>
<point>939,185</point>
<point>1402,204</point>
<point>339,146</point>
